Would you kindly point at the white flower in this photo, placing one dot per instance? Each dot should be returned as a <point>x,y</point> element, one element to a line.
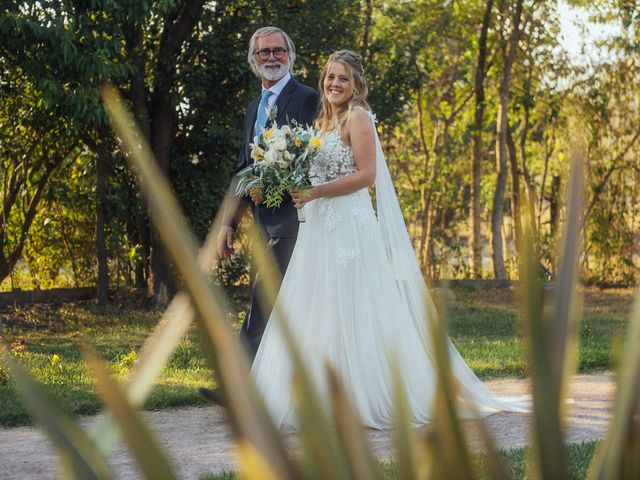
<point>280,144</point>
<point>281,159</point>
<point>270,156</point>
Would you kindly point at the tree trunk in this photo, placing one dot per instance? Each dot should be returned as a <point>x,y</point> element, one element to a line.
<point>143,268</point>
<point>424,203</point>
<point>439,151</point>
<point>553,204</point>
<point>424,221</point>
<point>431,180</point>
<point>548,151</point>
<point>476,140</point>
<point>516,198</point>
<point>162,138</point>
<point>502,125</point>
<point>102,169</point>
<point>497,243</point>
<point>157,122</point>
<point>138,98</point>
<point>524,169</point>
<point>366,30</point>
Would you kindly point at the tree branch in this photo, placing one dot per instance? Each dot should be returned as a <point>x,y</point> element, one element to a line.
<point>33,206</point>
<point>597,191</point>
<point>174,35</point>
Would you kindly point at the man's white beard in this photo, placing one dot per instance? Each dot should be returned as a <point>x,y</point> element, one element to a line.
<point>271,74</point>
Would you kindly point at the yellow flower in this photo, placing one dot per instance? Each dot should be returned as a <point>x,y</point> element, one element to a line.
<point>268,134</point>
<point>257,154</point>
<point>316,143</point>
<point>298,142</point>
<point>55,358</point>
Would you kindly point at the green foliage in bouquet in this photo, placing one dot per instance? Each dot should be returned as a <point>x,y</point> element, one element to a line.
<point>281,158</point>
<point>333,442</point>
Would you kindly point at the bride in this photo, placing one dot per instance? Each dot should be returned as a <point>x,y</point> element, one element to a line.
<point>353,293</point>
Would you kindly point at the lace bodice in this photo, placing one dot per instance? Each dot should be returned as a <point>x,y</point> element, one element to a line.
<point>333,161</point>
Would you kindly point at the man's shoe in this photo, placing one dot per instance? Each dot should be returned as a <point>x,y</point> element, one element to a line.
<point>212,395</point>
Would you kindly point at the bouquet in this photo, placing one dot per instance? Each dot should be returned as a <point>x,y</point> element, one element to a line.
<point>281,162</point>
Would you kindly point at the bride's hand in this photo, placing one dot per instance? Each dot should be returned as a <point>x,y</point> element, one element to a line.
<point>301,196</point>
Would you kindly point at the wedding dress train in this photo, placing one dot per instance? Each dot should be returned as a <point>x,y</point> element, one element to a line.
<point>354,296</point>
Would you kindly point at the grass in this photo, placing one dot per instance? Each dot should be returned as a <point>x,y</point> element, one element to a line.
<point>483,325</point>
<point>580,455</point>
<point>46,339</point>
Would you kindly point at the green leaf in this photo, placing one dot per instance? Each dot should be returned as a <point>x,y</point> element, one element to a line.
<point>551,336</point>
<point>248,413</point>
<point>407,449</point>
<point>142,442</point>
<point>350,432</point>
<point>76,448</point>
<point>613,459</point>
<point>448,442</point>
<point>319,441</point>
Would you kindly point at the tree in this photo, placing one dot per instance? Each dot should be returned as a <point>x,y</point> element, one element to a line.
<point>537,95</point>
<point>476,140</point>
<point>34,145</point>
<point>182,67</point>
<point>508,47</point>
<point>152,91</point>
<point>52,50</point>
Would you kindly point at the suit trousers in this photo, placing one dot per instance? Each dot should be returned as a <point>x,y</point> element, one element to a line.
<point>257,316</point>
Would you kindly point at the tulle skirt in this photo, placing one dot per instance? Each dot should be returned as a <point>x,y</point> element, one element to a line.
<point>342,302</point>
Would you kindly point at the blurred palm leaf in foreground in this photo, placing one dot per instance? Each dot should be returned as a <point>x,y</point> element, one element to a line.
<point>333,444</point>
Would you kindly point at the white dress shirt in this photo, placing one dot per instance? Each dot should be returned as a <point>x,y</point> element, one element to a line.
<point>277,89</point>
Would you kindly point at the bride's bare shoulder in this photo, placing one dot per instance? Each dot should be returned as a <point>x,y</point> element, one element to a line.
<point>360,113</point>
<point>360,120</point>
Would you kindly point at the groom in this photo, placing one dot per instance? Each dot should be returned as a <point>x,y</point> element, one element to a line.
<point>271,56</point>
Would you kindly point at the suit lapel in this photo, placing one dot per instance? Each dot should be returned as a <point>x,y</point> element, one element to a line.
<point>283,101</point>
<point>252,114</point>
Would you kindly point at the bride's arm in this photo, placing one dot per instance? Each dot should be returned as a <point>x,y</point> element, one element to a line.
<point>362,137</point>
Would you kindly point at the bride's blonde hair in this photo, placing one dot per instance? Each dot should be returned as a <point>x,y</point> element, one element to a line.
<point>352,61</point>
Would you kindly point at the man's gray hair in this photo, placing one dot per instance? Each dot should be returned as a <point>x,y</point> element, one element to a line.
<point>263,32</point>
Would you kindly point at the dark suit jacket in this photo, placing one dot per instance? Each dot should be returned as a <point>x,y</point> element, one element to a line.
<point>296,101</point>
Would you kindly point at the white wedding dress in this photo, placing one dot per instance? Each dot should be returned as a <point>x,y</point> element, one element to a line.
<point>353,296</point>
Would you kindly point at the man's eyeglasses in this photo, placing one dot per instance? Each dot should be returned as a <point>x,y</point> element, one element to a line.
<point>265,53</point>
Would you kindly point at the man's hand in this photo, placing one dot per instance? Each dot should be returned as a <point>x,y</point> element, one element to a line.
<point>225,242</point>
<point>256,195</point>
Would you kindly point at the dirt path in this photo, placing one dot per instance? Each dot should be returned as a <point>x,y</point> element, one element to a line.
<point>199,440</point>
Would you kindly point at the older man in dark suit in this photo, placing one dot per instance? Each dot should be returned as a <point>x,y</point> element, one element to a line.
<point>271,56</point>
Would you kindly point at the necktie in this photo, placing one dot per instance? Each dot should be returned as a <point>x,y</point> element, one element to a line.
<point>262,111</point>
